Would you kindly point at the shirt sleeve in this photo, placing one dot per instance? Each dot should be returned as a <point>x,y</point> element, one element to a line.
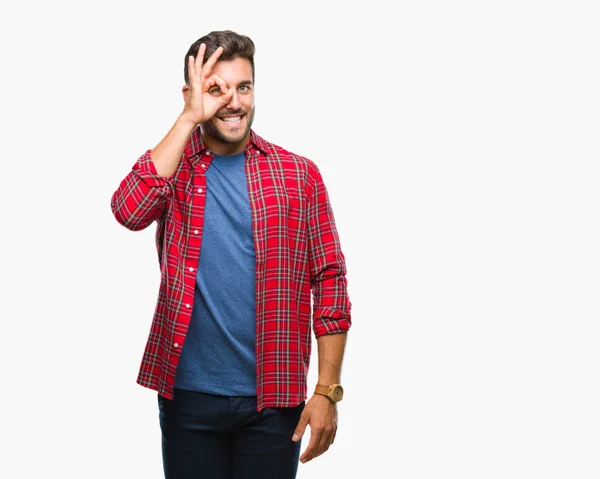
<point>142,196</point>
<point>331,304</point>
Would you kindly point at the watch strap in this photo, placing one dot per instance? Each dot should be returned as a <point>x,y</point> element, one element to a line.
<point>321,389</point>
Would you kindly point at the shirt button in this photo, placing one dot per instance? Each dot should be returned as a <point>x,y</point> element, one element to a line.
<point>191,269</point>
<point>199,190</point>
<point>202,165</point>
<point>196,232</point>
<point>188,305</point>
<point>176,345</point>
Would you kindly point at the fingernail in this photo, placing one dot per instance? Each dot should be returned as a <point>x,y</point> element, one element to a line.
<point>295,437</point>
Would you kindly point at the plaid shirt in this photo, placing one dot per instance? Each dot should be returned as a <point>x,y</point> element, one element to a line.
<point>297,252</point>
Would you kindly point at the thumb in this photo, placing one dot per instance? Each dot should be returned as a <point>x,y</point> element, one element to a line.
<point>301,427</point>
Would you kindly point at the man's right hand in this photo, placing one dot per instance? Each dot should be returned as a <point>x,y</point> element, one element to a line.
<point>206,93</point>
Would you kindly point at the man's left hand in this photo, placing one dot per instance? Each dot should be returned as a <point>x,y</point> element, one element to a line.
<point>321,414</point>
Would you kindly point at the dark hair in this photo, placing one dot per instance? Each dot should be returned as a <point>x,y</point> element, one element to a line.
<point>234,46</point>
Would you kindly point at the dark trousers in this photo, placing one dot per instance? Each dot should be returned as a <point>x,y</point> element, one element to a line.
<point>218,437</point>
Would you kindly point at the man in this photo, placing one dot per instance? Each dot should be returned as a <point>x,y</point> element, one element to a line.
<point>245,235</point>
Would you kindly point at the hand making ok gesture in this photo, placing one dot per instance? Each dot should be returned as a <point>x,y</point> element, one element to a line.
<point>203,99</point>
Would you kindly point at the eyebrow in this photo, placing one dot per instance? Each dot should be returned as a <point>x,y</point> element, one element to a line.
<point>245,83</point>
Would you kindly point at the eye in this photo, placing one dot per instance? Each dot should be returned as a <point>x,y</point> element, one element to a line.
<point>215,91</point>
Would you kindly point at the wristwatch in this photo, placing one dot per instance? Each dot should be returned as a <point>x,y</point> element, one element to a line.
<point>335,392</point>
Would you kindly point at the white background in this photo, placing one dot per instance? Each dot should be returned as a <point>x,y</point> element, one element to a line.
<point>459,142</point>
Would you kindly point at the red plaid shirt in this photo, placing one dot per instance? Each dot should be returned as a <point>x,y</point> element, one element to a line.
<point>297,252</point>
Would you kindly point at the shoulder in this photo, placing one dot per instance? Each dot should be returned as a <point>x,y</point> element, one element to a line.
<point>290,160</point>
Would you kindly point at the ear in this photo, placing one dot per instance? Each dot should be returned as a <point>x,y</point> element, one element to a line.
<point>185,91</point>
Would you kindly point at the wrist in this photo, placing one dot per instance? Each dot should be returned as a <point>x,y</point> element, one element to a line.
<point>328,380</point>
<point>335,392</point>
<point>186,122</point>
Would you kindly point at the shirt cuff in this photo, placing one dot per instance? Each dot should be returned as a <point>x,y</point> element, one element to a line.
<point>330,321</point>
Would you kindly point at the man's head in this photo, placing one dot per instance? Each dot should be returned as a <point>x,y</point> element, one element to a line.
<point>228,131</point>
<point>234,46</point>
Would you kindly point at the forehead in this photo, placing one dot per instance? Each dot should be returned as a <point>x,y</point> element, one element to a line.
<point>233,71</point>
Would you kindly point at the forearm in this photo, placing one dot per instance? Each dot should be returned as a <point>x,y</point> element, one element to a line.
<point>331,354</point>
<point>167,154</point>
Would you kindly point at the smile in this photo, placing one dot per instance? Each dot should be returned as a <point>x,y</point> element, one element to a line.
<point>232,120</point>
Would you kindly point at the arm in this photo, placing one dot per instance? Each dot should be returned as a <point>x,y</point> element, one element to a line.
<point>331,304</point>
<point>319,411</point>
<point>331,353</point>
<point>331,313</point>
<point>141,198</point>
<point>167,154</point>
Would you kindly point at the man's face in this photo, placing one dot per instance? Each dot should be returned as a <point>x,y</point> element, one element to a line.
<point>231,124</point>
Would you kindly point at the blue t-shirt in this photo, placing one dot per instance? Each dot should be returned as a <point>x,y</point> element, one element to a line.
<point>218,355</point>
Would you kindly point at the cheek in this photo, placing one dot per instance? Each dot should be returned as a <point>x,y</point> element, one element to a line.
<point>248,103</point>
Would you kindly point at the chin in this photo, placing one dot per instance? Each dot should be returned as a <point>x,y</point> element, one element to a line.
<point>232,138</point>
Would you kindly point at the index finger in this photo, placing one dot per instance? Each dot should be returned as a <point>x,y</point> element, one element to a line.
<point>210,63</point>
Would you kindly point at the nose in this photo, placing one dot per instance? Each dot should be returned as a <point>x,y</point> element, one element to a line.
<point>234,101</point>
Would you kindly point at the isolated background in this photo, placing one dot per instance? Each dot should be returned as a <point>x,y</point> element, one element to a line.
<point>459,142</point>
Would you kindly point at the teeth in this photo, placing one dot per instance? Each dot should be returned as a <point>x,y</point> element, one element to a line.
<point>232,119</point>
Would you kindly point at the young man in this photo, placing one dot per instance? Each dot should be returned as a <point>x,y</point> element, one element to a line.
<point>245,234</point>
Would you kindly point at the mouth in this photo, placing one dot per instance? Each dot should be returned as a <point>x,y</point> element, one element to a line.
<point>232,121</point>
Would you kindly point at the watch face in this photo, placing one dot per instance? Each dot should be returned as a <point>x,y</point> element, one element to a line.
<point>338,393</point>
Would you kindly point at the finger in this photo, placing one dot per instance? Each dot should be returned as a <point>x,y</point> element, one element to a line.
<point>302,423</point>
<point>200,58</point>
<point>209,84</point>
<point>195,65</point>
<point>311,450</point>
<point>327,436</point>
<point>191,69</point>
<point>210,63</point>
<point>218,81</point>
<point>226,98</point>
<point>323,445</point>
